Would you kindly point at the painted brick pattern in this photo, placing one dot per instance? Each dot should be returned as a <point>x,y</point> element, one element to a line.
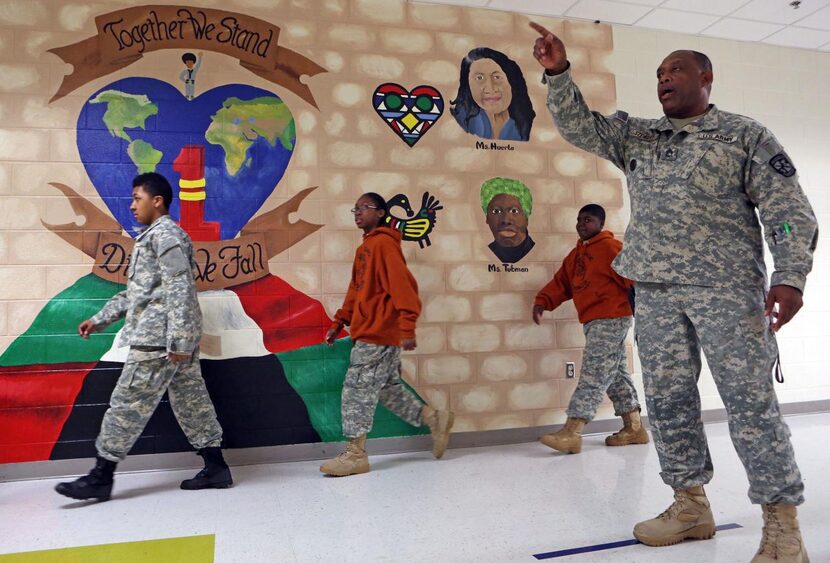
<point>478,351</point>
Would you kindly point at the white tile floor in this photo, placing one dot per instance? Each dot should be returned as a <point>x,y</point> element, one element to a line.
<point>493,504</point>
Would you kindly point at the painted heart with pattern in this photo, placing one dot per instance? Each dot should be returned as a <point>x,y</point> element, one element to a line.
<point>138,125</point>
<point>409,114</point>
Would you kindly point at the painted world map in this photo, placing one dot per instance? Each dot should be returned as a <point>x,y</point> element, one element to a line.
<point>139,125</point>
<point>235,127</point>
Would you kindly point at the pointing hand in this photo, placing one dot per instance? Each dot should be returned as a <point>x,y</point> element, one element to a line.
<point>549,50</point>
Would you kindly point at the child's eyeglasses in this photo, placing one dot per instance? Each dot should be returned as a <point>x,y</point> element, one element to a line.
<point>362,208</point>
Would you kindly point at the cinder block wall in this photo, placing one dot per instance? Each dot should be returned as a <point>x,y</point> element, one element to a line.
<point>478,353</point>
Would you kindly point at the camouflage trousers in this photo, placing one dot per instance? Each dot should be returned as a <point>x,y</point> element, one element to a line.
<point>673,324</point>
<point>374,375</point>
<point>604,370</point>
<point>147,374</point>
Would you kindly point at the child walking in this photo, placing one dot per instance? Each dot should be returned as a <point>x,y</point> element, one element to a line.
<point>381,309</point>
<point>163,327</point>
<point>601,299</point>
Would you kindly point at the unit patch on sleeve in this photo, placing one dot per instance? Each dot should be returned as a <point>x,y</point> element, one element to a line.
<point>781,164</point>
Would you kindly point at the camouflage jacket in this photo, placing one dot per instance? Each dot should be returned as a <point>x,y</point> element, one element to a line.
<point>160,301</point>
<point>694,194</point>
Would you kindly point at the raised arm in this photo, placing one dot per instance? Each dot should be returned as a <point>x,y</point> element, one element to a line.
<point>590,131</point>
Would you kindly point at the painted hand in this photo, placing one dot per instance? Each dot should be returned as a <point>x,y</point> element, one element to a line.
<point>408,343</point>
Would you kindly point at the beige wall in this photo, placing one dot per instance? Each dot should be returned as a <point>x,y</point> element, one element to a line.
<point>478,351</point>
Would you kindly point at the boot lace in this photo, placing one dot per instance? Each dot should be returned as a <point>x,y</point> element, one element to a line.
<point>680,503</point>
<point>773,531</point>
<point>344,455</point>
<point>351,449</point>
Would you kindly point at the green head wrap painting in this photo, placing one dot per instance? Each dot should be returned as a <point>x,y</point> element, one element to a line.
<point>507,205</point>
<point>495,186</point>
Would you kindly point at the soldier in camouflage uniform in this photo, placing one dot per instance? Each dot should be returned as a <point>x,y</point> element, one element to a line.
<point>381,309</point>
<point>694,247</point>
<point>163,327</point>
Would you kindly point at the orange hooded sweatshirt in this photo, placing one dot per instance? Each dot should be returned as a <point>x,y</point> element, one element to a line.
<point>382,304</point>
<point>586,276</point>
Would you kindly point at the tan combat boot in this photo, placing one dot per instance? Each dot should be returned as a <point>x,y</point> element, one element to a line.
<point>689,517</point>
<point>632,431</point>
<point>568,439</point>
<point>352,461</point>
<point>781,540</point>
<point>440,424</point>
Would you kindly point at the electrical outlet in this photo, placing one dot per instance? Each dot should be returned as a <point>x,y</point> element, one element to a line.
<point>570,370</point>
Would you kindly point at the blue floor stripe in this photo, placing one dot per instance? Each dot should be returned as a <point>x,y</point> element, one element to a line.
<point>611,545</point>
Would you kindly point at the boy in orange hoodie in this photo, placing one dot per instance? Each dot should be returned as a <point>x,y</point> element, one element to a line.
<point>381,308</point>
<point>601,299</point>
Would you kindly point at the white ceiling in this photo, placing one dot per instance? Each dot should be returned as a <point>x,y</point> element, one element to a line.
<point>775,22</point>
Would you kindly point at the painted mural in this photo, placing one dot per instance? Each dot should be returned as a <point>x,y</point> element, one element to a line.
<point>507,206</point>
<point>409,114</point>
<point>415,225</point>
<point>492,100</point>
<point>270,376</point>
<point>269,122</point>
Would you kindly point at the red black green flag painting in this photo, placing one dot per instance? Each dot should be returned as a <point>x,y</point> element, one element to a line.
<point>55,387</point>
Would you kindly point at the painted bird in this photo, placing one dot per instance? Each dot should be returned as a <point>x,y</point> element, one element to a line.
<point>416,226</point>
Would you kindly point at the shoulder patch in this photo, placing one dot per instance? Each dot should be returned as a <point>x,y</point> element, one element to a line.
<point>781,164</point>
<point>621,116</point>
<point>173,261</point>
<point>165,242</point>
<point>769,149</point>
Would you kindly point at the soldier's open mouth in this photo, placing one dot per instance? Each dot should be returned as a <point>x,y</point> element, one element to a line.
<point>665,94</point>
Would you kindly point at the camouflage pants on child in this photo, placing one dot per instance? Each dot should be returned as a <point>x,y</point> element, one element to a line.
<point>375,375</point>
<point>147,374</point>
<point>604,370</point>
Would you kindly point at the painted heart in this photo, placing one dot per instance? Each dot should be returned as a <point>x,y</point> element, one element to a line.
<point>409,114</point>
<point>141,125</point>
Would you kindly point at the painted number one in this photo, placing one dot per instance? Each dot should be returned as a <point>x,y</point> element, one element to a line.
<point>190,164</point>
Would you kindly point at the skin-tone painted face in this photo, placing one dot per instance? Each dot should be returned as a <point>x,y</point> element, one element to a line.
<point>146,208</point>
<point>366,214</point>
<point>588,226</point>
<point>489,86</point>
<point>683,85</point>
<point>507,220</point>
